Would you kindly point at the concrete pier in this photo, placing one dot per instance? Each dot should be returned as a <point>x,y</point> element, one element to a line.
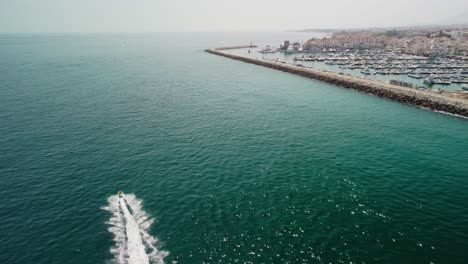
<point>450,102</point>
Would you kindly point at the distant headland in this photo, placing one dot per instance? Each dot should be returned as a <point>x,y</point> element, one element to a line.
<point>383,29</point>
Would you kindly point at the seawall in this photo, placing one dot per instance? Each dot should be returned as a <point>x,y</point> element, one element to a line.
<point>237,47</point>
<point>450,102</point>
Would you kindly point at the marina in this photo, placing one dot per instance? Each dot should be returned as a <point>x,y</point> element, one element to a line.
<point>434,70</point>
<point>453,102</point>
<point>428,58</point>
<point>448,74</point>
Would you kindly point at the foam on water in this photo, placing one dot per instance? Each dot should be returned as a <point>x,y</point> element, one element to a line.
<point>129,224</point>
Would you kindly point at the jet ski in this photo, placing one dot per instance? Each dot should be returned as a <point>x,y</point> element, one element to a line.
<point>120,193</point>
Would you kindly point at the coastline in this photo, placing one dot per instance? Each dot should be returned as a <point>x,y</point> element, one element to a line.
<point>448,102</point>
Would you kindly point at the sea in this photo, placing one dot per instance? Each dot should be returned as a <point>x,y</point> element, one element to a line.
<point>218,161</point>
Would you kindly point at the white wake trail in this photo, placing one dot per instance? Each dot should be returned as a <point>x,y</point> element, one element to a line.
<point>129,224</point>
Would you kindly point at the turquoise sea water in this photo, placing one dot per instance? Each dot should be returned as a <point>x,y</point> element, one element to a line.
<point>237,163</point>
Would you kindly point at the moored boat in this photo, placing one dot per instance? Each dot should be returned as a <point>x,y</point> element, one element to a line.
<point>268,49</point>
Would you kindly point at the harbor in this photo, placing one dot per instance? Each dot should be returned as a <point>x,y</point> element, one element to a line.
<point>423,58</point>
<point>448,74</point>
<point>432,70</point>
<point>453,102</point>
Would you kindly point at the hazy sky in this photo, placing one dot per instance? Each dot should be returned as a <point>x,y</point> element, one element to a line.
<point>218,15</point>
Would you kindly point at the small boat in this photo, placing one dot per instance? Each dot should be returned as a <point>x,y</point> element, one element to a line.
<point>415,76</point>
<point>268,49</point>
<point>428,81</point>
<point>442,82</point>
<point>120,193</point>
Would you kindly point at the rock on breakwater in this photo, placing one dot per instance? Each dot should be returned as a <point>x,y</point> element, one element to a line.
<point>449,102</point>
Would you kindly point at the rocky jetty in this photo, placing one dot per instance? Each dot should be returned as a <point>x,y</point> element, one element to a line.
<point>237,47</point>
<point>449,102</point>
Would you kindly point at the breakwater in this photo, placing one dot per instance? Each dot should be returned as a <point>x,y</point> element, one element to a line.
<point>237,47</point>
<point>449,102</point>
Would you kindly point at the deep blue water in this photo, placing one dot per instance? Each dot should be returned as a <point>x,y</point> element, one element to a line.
<point>237,163</point>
